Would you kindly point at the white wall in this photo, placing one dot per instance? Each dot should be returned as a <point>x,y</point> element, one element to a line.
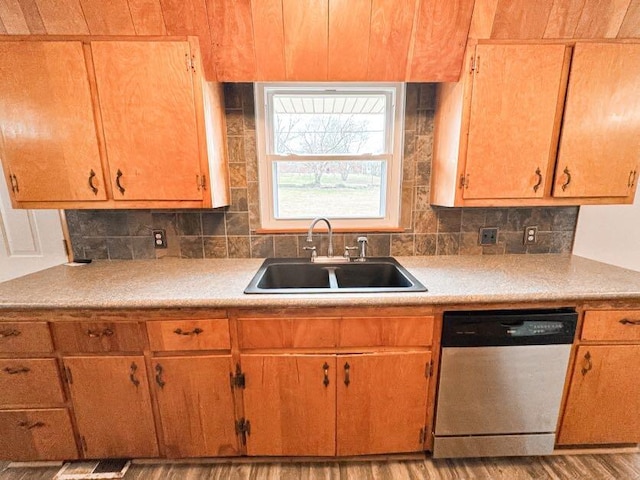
<point>610,233</point>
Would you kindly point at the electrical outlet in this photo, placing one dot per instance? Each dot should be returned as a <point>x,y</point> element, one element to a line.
<point>530,235</point>
<point>159,238</point>
<point>488,236</point>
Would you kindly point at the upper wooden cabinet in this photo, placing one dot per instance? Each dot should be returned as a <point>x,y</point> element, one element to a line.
<point>111,124</point>
<point>503,135</point>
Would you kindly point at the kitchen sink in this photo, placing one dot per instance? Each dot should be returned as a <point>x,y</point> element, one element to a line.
<point>296,275</point>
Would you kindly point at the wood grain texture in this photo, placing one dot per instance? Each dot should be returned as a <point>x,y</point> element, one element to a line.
<point>87,337</point>
<point>349,33</point>
<point>174,335</point>
<point>13,18</point>
<point>484,12</point>
<point>564,18</point>
<point>391,29</point>
<point>36,435</point>
<point>601,18</point>
<point>196,405</point>
<point>24,337</point>
<point>383,407</point>
<point>32,17</point>
<point>230,22</point>
<point>385,331</point>
<point>147,18</point>
<point>268,34</point>
<point>30,381</point>
<point>521,19</point>
<point>306,33</point>
<point>597,145</point>
<point>298,332</point>
<point>440,40</point>
<point>113,414</point>
<point>108,18</point>
<point>622,325</point>
<point>630,27</point>
<point>599,401</point>
<point>148,112</point>
<point>290,410</point>
<point>62,17</point>
<point>512,119</point>
<point>49,136</point>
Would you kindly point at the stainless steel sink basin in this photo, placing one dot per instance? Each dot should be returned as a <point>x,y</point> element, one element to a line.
<point>295,275</point>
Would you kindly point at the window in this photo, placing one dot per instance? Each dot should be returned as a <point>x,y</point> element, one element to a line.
<point>330,150</point>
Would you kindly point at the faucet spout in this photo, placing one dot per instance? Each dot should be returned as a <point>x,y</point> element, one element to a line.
<point>310,233</point>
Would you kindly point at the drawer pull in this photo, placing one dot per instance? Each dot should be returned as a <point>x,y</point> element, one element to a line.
<point>31,426</point>
<point>106,332</point>
<point>11,332</point>
<point>132,374</point>
<point>347,370</point>
<point>626,321</point>
<point>325,368</point>
<point>588,365</point>
<point>537,185</point>
<point>93,188</point>
<point>15,371</point>
<point>195,331</point>
<point>118,184</point>
<point>161,383</point>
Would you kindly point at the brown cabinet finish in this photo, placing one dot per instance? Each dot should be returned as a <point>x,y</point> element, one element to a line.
<point>611,325</point>
<point>112,406</point>
<point>196,405</point>
<point>89,337</point>
<point>297,332</point>
<point>25,337</point>
<point>174,335</point>
<point>34,435</point>
<point>30,381</point>
<point>385,331</point>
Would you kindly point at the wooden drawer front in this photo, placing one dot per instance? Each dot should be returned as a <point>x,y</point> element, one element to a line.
<point>19,337</point>
<point>385,332</point>
<point>611,325</point>
<point>98,336</point>
<point>30,382</point>
<point>298,332</point>
<point>29,435</point>
<point>173,335</point>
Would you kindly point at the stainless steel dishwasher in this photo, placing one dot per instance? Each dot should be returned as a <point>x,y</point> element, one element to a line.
<point>502,374</point>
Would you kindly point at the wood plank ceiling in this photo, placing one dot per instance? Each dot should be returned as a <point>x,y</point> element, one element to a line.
<point>416,40</point>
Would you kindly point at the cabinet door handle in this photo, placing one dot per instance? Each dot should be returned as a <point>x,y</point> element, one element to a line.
<point>92,175</point>
<point>31,426</point>
<point>10,332</point>
<point>106,332</point>
<point>539,175</point>
<point>132,374</point>
<point>627,321</point>
<point>195,331</point>
<point>159,370</point>
<point>347,370</point>
<point>16,370</point>
<point>118,184</point>
<point>587,365</point>
<point>568,174</point>
<point>632,178</point>
<point>325,368</point>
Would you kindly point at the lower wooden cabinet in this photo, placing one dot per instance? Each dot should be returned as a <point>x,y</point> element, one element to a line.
<point>196,405</point>
<point>44,434</point>
<point>112,406</point>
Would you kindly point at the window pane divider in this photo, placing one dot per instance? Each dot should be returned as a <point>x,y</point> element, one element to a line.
<point>328,158</point>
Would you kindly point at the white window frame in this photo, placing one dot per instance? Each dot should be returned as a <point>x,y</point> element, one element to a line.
<point>391,207</point>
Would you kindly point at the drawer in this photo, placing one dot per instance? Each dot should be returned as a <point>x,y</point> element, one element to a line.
<point>171,335</point>
<point>611,325</point>
<point>297,332</point>
<point>88,337</point>
<point>29,435</point>
<point>386,331</point>
<point>29,381</point>
<point>25,337</point>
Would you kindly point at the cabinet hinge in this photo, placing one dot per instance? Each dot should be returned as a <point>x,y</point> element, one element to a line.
<point>190,62</point>
<point>473,64</point>
<point>243,428</point>
<point>423,435</point>
<point>67,375</point>
<point>464,181</point>
<point>203,182</point>
<point>428,369</point>
<point>238,380</point>
<point>14,183</point>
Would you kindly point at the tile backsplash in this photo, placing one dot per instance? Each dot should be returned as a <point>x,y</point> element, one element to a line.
<point>231,231</point>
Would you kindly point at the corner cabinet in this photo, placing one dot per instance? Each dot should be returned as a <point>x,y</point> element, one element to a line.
<point>111,124</point>
<point>539,124</point>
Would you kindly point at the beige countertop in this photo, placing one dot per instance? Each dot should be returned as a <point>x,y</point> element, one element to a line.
<point>220,283</point>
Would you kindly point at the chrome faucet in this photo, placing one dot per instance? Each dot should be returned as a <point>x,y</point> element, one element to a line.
<point>310,238</point>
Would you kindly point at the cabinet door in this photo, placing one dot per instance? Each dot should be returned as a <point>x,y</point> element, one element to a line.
<point>147,103</point>
<point>110,397</point>
<point>601,129</point>
<point>196,405</point>
<point>382,402</point>
<point>48,141</point>
<point>513,120</point>
<point>290,402</point>
<point>604,397</point>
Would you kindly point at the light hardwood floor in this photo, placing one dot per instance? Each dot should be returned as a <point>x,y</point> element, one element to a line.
<point>624,466</point>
